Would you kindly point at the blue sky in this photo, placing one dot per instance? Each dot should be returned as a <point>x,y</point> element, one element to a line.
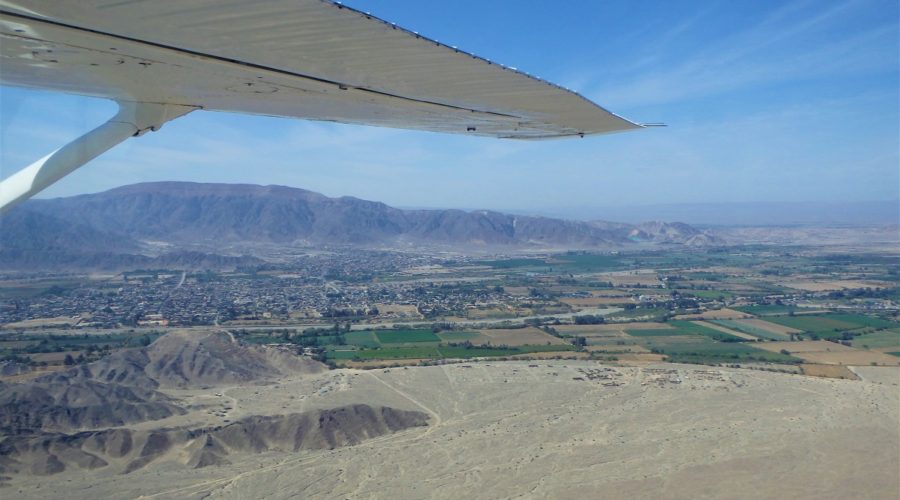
<point>765,101</point>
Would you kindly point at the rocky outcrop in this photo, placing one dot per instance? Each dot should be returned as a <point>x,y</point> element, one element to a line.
<point>122,388</point>
<point>126,450</point>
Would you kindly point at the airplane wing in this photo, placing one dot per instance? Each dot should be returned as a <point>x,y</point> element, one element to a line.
<point>310,59</point>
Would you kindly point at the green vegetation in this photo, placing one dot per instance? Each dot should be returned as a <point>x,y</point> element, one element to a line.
<point>341,354</point>
<point>577,262</point>
<point>685,328</point>
<point>877,340</point>
<point>715,352</point>
<point>750,329</point>
<point>443,351</point>
<point>538,283</point>
<point>398,353</point>
<point>568,262</point>
<point>695,329</point>
<point>830,325</point>
<point>38,288</point>
<point>643,314</point>
<point>91,347</point>
<point>32,344</point>
<point>364,338</point>
<point>866,321</point>
<point>404,336</point>
<point>457,336</point>
<point>393,344</point>
<point>511,263</point>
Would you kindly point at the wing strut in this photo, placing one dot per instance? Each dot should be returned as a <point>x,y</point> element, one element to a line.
<point>132,120</point>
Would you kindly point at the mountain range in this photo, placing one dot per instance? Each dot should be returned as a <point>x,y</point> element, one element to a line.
<point>136,219</point>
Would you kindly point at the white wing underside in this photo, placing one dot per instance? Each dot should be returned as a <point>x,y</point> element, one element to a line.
<point>309,59</point>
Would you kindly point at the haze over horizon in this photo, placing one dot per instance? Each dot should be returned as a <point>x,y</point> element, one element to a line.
<point>797,213</point>
<point>766,103</point>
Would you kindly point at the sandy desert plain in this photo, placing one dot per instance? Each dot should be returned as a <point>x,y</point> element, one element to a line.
<point>541,429</point>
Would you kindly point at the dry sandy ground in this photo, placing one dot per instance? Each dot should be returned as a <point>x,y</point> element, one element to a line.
<point>830,353</point>
<point>878,374</point>
<point>723,313</point>
<point>398,310</point>
<point>616,348</point>
<point>548,429</point>
<point>595,301</point>
<point>729,331</point>
<point>516,337</point>
<point>612,327</point>
<point>830,371</point>
<point>42,322</point>
<point>768,326</point>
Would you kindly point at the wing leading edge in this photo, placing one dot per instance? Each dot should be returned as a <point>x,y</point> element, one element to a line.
<point>311,59</point>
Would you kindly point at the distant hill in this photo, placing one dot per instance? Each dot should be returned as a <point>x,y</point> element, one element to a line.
<point>121,220</point>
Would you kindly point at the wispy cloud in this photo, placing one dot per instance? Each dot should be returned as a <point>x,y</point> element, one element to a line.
<point>784,46</point>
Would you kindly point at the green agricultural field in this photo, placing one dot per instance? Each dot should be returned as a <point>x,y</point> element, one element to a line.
<point>323,340</point>
<point>564,262</point>
<point>830,323</point>
<point>426,352</point>
<point>694,329</point>
<point>34,344</point>
<point>615,341</point>
<point>751,329</point>
<point>716,352</point>
<point>511,263</point>
<point>684,328</point>
<point>405,336</point>
<point>365,338</point>
<point>440,352</point>
<point>877,340</point>
<point>457,336</point>
<point>866,321</point>
<point>342,354</point>
<point>587,262</point>
<point>654,342</point>
<point>34,289</point>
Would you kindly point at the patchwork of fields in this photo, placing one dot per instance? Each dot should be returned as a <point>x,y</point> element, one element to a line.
<point>773,335</point>
<point>421,344</point>
<point>761,339</point>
